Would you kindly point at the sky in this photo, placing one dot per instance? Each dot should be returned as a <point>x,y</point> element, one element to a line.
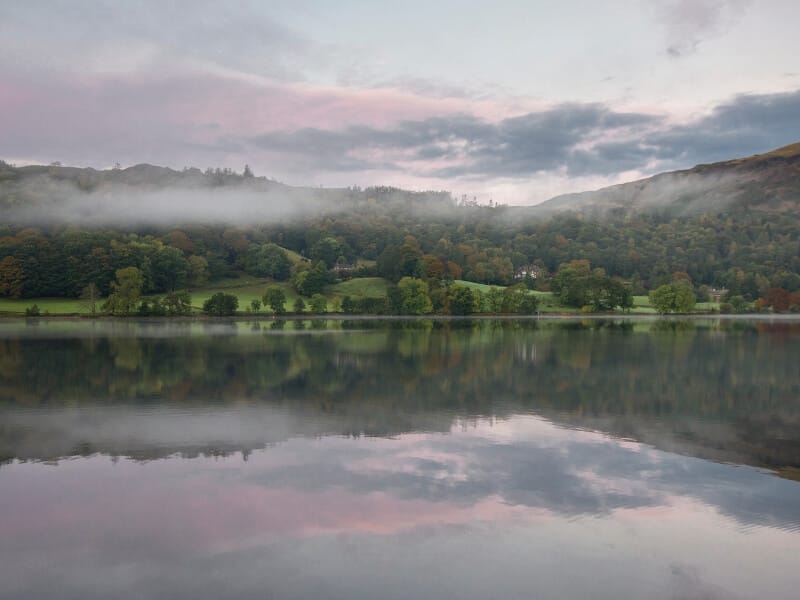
<point>510,101</point>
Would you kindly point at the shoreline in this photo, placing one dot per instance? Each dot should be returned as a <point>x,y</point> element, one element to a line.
<point>788,317</point>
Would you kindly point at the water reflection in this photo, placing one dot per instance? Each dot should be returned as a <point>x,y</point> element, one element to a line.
<point>726,391</point>
<point>360,460</point>
<point>350,514</point>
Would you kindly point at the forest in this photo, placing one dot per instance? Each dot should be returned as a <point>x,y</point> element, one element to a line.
<point>420,240</point>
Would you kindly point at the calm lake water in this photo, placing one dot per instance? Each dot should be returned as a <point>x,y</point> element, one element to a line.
<point>563,459</point>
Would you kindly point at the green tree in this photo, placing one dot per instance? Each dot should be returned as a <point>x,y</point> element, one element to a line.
<point>198,270</point>
<point>517,299</point>
<point>739,304</point>
<point>318,303</point>
<point>125,292</point>
<point>572,283</point>
<point>308,281</point>
<point>493,300</point>
<point>299,305</point>
<point>675,297</point>
<point>329,250</point>
<point>462,300</point>
<point>276,300</point>
<point>348,306</point>
<point>169,269</point>
<point>178,304</point>
<point>414,296</point>
<point>90,295</point>
<point>151,308</point>
<point>255,305</point>
<point>221,305</point>
<point>267,260</point>
<point>394,300</point>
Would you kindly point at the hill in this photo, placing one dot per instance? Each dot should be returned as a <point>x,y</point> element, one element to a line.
<point>145,194</point>
<point>765,182</point>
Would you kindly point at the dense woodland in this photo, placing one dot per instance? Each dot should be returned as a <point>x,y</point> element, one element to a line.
<point>427,237</point>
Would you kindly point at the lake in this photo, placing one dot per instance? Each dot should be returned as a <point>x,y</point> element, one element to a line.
<point>400,459</point>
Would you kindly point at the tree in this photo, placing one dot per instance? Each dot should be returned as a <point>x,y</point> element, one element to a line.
<point>198,270</point>
<point>348,306</point>
<point>663,298</point>
<point>318,303</point>
<point>414,296</point>
<point>12,277</point>
<point>255,305</point>
<point>675,297</point>
<point>154,309</point>
<point>519,300</point>
<point>738,304</point>
<point>267,260</point>
<point>572,282</point>
<point>169,269</point>
<point>125,292</point>
<point>276,300</point>
<point>778,298</point>
<point>221,305</point>
<point>309,281</point>
<point>394,300</point>
<point>247,174</point>
<point>299,305</point>
<point>492,301</point>
<point>90,295</point>
<point>328,250</point>
<point>462,301</point>
<point>178,304</point>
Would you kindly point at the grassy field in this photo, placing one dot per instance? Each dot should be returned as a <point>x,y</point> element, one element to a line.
<point>641,306</point>
<point>481,287</point>
<point>364,287</point>
<point>547,302</point>
<point>52,306</point>
<point>248,288</point>
<point>246,292</point>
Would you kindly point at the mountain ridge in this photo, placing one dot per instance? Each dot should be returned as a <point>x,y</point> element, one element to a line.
<point>769,181</point>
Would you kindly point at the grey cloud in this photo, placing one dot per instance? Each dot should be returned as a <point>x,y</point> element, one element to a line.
<point>565,139</point>
<point>746,125</point>
<point>552,477</point>
<point>688,23</point>
<point>546,473</point>
<point>514,147</point>
<point>245,39</point>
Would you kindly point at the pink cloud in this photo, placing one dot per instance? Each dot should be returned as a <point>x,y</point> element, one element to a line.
<point>175,513</point>
<point>140,112</point>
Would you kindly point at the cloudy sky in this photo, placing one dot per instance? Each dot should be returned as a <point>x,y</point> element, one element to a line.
<point>513,101</point>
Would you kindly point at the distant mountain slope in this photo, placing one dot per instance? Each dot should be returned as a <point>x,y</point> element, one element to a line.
<point>768,182</point>
<point>147,194</point>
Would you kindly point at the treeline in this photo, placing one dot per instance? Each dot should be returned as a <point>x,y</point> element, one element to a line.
<point>410,296</point>
<point>745,252</point>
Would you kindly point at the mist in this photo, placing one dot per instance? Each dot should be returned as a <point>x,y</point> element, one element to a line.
<point>153,196</point>
<point>175,205</point>
<point>682,193</point>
